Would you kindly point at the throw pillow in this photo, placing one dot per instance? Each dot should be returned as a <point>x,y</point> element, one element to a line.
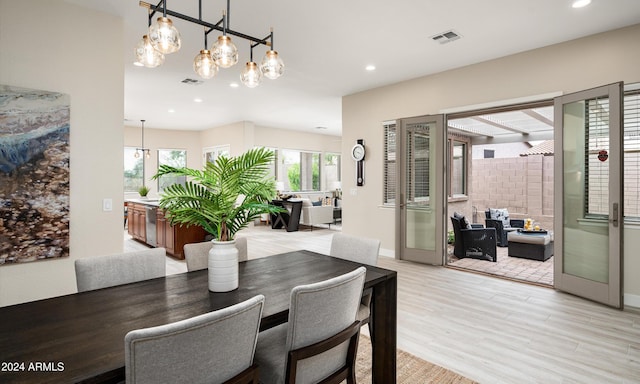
<point>466,222</point>
<point>317,203</point>
<point>503,215</point>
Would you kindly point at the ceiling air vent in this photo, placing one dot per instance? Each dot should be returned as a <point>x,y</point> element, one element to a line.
<point>192,81</point>
<point>446,37</point>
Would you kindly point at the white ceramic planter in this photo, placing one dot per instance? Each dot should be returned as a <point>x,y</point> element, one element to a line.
<point>223,266</point>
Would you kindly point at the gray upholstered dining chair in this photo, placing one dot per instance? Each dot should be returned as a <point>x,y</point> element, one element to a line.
<point>360,250</point>
<point>319,342</point>
<point>196,254</point>
<point>121,268</point>
<point>216,347</point>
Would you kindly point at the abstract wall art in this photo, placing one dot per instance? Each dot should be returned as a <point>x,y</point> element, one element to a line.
<point>34,175</point>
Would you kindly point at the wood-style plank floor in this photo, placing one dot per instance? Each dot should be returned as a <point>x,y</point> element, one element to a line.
<point>488,329</point>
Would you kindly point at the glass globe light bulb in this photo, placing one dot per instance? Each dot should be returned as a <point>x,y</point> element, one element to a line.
<point>251,75</point>
<point>272,66</point>
<point>224,52</point>
<point>137,154</point>
<point>164,36</point>
<point>204,65</point>
<point>147,55</point>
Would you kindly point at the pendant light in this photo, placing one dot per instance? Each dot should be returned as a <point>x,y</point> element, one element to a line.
<point>163,38</point>
<point>147,55</point>
<point>145,151</point>
<point>272,65</point>
<point>224,52</point>
<point>203,63</point>
<point>251,75</point>
<point>163,35</point>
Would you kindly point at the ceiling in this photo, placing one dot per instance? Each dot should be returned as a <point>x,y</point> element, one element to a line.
<point>326,46</point>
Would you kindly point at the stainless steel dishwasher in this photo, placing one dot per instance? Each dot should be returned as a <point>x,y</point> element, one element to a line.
<point>151,225</point>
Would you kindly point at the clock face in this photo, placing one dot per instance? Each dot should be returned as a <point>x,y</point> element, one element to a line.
<point>357,152</point>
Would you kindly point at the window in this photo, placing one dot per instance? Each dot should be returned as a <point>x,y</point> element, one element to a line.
<point>175,158</point>
<point>458,172</point>
<point>631,116</point>
<point>390,180</point>
<point>418,185</point>
<point>300,170</point>
<point>133,170</point>
<point>597,172</point>
<point>210,154</point>
<point>331,171</point>
<point>489,153</point>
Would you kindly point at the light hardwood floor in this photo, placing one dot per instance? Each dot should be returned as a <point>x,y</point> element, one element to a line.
<point>488,329</point>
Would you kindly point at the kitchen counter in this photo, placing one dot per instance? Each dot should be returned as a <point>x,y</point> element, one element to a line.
<point>148,224</point>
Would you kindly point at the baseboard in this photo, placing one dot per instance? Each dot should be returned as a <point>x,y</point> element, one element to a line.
<point>631,300</point>
<point>387,253</point>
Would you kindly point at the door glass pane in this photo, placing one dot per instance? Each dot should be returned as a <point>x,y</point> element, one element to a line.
<point>586,179</point>
<point>420,187</point>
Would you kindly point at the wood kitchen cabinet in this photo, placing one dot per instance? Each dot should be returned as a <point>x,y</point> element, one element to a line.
<point>137,217</point>
<point>170,237</point>
<point>174,237</point>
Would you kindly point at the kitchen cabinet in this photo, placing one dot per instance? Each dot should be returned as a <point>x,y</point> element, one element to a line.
<point>137,221</point>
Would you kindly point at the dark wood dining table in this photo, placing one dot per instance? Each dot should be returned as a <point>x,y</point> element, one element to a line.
<point>80,337</point>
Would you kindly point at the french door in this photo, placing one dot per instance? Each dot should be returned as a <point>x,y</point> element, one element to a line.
<point>420,143</point>
<point>588,194</point>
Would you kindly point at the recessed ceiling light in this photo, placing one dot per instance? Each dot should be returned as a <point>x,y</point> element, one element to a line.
<point>172,111</point>
<point>197,100</point>
<point>234,85</point>
<point>320,127</point>
<point>580,3</point>
<point>370,67</point>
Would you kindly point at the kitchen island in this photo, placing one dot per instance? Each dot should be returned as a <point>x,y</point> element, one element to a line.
<point>148,224</point>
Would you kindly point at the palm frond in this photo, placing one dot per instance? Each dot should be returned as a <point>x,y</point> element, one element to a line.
<point>209,197</point>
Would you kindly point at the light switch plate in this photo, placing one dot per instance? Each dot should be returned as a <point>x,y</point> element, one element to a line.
<point>107,205</point>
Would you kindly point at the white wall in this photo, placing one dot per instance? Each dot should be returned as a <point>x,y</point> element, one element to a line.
<point>55,46</point>
<point>569,67</point>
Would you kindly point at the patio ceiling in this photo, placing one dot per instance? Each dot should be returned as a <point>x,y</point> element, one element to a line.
<point>530,124</point>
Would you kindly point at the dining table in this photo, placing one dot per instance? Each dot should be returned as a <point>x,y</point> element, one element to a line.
<point>79,338</point>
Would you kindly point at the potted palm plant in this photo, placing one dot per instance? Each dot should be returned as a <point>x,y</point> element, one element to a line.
<point>223,198</point>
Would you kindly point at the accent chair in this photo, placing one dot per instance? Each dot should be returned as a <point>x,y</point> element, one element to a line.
<point>319,342</point>
<point>121,268</point>
<point>216,347</point>
<point>197,254</point>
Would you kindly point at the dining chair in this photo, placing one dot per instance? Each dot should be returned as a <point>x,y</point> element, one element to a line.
<point>216,347</point>
<point>121,268</point>
<point>360,250</point>
<point>197,254</point>
<point>319,342</point>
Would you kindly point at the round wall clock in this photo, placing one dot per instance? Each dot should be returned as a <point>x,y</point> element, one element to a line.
<point>357,153</point>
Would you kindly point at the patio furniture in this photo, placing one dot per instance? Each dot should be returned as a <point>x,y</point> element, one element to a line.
<point>476,243</point>
<point>531,245</point>
<point>499,219</point>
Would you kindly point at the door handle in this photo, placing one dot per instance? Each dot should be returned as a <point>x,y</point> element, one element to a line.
<point>614,215</point>
<point>402,203</point>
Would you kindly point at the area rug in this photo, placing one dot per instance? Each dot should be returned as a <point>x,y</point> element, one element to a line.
<point>410,369</point>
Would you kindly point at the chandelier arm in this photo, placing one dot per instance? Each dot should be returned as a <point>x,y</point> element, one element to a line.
<point>194,20</point>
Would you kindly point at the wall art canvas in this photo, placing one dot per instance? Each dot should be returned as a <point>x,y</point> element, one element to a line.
<point>34,175</point>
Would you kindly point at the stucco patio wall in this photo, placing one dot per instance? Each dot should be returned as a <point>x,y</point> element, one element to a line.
<point>523,185</point>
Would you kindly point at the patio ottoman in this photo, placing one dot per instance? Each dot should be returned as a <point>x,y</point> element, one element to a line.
<point>532,246</point>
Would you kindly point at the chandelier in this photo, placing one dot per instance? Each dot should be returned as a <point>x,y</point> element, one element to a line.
<point>145,151</point>
<point>163,38</point>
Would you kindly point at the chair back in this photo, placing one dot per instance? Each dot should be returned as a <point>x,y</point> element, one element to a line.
<point>458,245</point>
<point>122,268</point>
<point>317,312</point>
<point>197,254</point>
<point>357,249</point>
<point>210,348</point>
